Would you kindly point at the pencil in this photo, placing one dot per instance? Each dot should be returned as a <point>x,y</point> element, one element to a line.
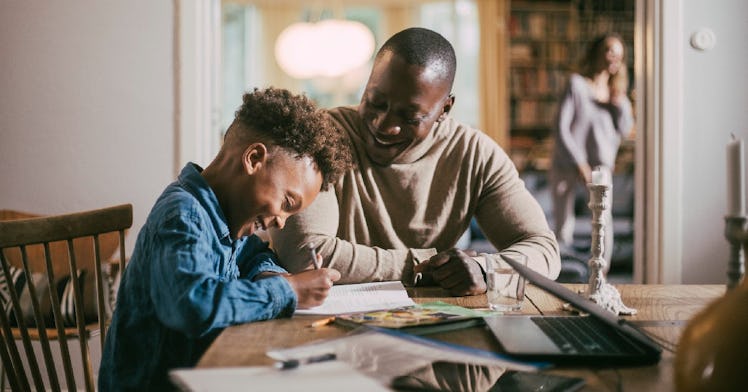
<point>313,253</point>
<point>294,363</point>
<point>322,322</point>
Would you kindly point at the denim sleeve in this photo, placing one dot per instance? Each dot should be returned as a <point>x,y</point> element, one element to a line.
<point>189,291</point>
<point>256,257</point>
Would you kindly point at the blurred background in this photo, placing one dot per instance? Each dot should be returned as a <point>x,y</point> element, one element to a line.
<point>102,102</point>
<point>325,49</point>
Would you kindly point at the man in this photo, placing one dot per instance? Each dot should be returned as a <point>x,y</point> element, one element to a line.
<point>197,266</point>
<point>418,179</point>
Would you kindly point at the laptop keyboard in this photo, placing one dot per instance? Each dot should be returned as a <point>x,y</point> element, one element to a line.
<point>584,335</point>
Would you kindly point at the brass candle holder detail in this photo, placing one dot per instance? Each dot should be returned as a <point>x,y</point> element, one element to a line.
<point>736,234</point>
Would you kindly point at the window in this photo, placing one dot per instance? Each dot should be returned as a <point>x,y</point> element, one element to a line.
<point>249,31</point>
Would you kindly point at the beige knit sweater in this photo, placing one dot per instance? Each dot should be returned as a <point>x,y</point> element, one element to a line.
<point>382,220</point>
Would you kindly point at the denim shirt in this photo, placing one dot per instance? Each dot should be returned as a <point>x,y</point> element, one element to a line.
<point>186,281</point>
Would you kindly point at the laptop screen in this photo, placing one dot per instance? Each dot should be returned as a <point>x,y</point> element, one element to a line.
<point>579,302</point>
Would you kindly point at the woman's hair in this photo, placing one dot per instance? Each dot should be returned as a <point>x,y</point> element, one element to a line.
<point>293,123</point>
<point>591,61</point>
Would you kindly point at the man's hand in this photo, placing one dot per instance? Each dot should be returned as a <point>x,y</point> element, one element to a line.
<point>455,271</point>
<point>312,286</point>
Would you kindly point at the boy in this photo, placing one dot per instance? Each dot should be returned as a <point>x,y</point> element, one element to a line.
<point>197,266</point>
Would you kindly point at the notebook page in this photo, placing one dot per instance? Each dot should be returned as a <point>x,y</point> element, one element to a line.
<point>362,297</point>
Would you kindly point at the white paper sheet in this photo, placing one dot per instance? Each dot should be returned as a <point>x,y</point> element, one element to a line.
<point>362,297</point>
<point>324,376</point>
<point>386,354</point>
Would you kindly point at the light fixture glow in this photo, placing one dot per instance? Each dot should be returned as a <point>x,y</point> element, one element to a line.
<point>328,48</point>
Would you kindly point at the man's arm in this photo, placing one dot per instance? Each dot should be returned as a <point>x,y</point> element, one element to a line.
<point>511,219</point>
<point>318,224</point>
<point>514,222</point>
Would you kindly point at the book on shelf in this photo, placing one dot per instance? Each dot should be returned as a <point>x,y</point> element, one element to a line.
<point>419,319</point>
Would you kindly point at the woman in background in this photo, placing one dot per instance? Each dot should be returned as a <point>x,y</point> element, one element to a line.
<point>594,115</point>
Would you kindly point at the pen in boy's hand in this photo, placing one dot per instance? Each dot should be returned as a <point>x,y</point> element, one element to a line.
<point>294,363</point>
<point>313,253</point>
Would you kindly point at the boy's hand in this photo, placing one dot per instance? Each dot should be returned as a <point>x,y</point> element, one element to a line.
<point>312,286</point>
<point>455,271</point>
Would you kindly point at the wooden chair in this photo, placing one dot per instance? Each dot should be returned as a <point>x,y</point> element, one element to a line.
<point>20,240</point>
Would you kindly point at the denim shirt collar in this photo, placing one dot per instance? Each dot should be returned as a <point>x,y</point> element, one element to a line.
<point>193,182</point>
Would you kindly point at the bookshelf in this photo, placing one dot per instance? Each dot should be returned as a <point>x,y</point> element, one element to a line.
<point>546,41</point>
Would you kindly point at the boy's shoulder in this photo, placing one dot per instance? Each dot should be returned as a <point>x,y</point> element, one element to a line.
<point>177,206</point>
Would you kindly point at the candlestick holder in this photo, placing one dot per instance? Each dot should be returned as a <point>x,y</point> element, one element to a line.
<point>737,235</point>
<point>599,290</point>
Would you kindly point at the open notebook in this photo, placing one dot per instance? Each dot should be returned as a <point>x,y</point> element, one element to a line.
<point>362,297</point>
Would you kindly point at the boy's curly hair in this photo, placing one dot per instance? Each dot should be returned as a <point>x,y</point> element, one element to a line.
<point>293,122</point>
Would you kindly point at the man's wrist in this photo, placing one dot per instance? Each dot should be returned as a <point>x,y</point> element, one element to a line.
<point>481,261</point>
<point>417,256</point>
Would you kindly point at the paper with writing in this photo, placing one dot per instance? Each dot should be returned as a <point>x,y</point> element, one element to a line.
<point>362,297</point>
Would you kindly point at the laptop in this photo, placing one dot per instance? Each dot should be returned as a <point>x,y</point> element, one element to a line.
<point>599,338</point>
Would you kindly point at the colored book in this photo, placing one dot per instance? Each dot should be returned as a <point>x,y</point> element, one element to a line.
<point>417,319</point>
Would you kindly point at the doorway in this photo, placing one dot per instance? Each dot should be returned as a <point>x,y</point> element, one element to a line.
<point>545,42</point>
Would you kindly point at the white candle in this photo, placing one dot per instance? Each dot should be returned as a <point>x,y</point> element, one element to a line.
<point>597,177</point>
<point>735,178</point>
<point>600,176</point>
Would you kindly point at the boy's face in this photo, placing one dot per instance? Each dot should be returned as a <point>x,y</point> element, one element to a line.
<point>274,189</point>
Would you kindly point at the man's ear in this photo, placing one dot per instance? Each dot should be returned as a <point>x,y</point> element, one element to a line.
<point>254,157</point>
<point>448,103</point>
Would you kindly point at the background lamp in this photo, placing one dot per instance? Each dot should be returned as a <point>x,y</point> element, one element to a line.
<point>328,48</point>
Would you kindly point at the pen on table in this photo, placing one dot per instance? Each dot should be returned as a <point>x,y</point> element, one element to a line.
<point>294,363</point>
<point>313,253</point>
<point>322,322</point>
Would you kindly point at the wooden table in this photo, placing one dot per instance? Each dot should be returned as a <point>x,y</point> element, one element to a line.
<point>663,311</point>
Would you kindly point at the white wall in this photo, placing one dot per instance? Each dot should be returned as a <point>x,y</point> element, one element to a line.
<point>715,103</point>
<point>86,105</point>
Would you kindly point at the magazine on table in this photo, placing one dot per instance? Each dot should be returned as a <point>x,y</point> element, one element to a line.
<point>419,319</point>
